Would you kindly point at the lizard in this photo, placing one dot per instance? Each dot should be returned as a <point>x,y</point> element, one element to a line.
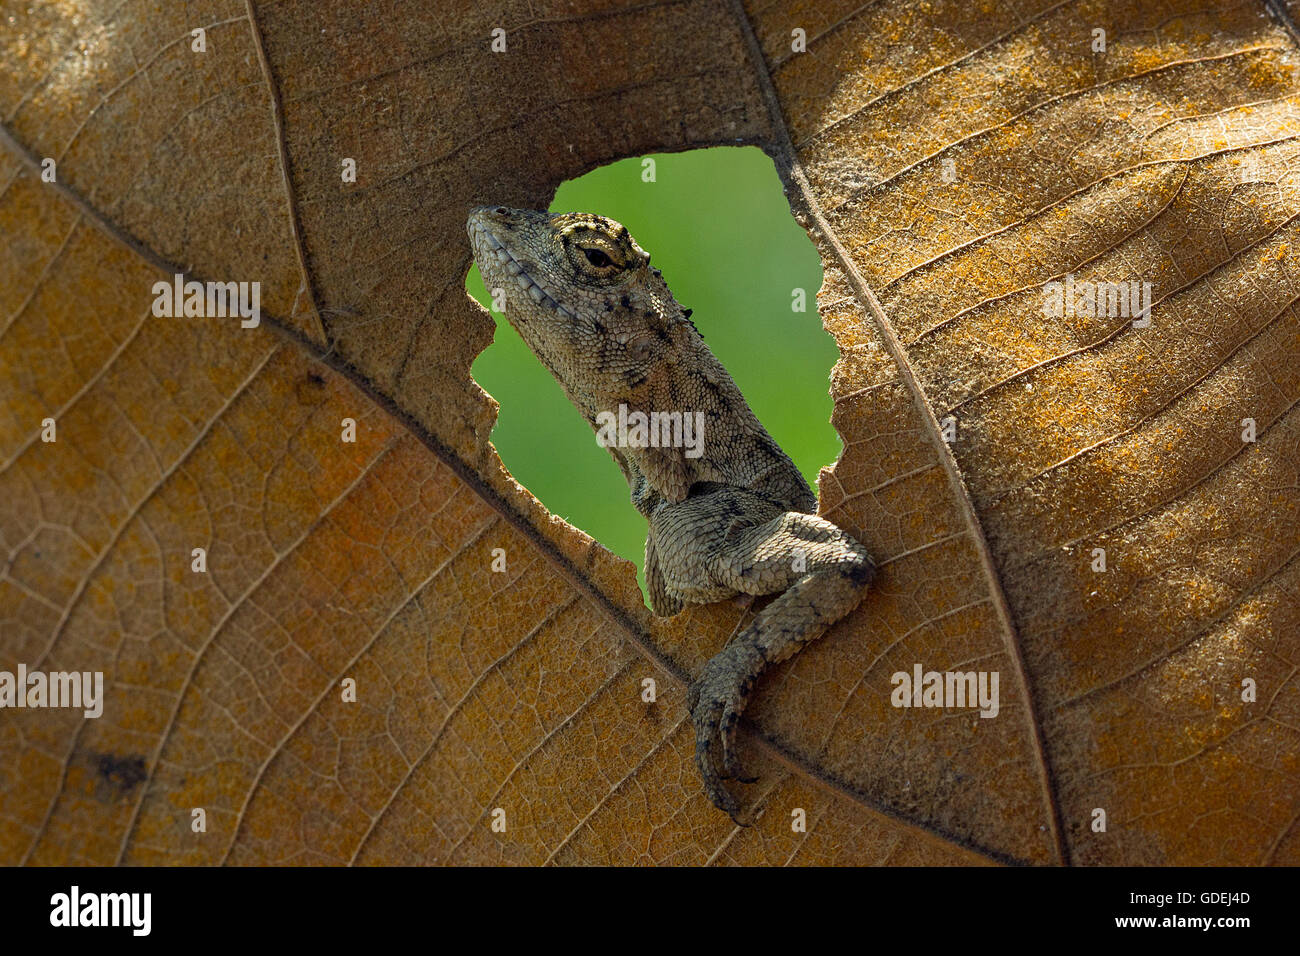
<point>731,517</point>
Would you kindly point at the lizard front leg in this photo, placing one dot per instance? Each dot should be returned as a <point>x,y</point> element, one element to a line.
<point>733,541</point>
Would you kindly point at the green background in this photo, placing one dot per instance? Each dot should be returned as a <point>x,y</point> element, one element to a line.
<point>717,224</point>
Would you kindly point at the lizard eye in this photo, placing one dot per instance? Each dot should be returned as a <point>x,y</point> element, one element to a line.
<point>597,258</point>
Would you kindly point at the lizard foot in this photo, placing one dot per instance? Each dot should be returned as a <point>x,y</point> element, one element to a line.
<point>716,700</point>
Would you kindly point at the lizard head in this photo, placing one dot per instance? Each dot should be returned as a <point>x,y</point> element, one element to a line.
<point>582,294</point>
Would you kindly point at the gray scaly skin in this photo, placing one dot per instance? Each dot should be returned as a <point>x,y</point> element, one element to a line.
<point>739,518</point>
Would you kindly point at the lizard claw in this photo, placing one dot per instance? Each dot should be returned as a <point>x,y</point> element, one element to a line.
<point>731,767</point>
<point>716,699</point>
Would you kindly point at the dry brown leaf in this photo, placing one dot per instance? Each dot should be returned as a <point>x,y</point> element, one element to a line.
<point>951,158</point>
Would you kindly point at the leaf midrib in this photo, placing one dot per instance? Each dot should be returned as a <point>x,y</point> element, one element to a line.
<point>791,170</point>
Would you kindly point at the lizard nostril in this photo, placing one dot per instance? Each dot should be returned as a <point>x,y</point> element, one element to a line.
<point>501,210</point>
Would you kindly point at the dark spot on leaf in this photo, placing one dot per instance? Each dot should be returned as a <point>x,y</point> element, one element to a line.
<point>121,774</point>
<point>310,389</point>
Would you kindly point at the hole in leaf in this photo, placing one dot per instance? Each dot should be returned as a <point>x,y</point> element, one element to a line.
<point>717,223</point>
